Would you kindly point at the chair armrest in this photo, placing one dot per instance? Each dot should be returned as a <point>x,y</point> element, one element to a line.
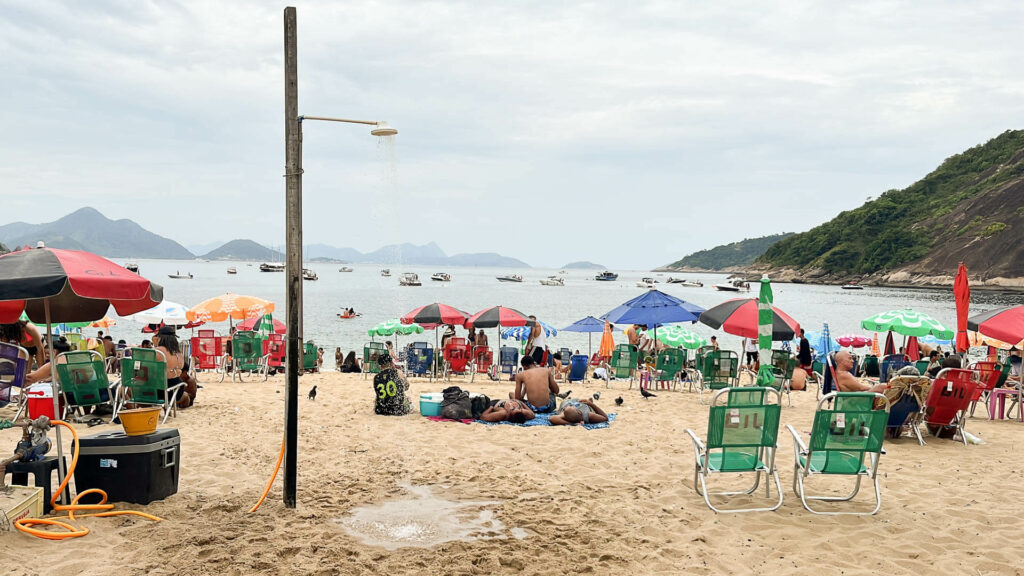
<point>698,448</point>
<point>114,384</point>
<point>798,442</point>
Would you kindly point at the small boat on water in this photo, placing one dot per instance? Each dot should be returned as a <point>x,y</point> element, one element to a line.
<point>852,287</point>
<point>510,278</point>
<point>132,266</point>
<point>308,274</point>
<point>646,283</point>
<point>684,282</point>
<point>409,279</point>
<point>607,276</point>
<point>272,267</point>
<point>734,286</point>
<point>344,269</point>
<point>232,270</point>
<point>386,272</point>
<point>441,277</point>
<point>553,281</point>
<point>179,276</point>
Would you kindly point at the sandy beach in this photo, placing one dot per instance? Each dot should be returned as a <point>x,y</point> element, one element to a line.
<point>553,500</point>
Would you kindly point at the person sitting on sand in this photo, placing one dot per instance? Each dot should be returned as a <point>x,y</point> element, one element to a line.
<point>845,380</point>
<point>574,411</point>
<point>351,364</point>
<point>390,386</point>
<point>536,386</point>
<point>514,411</point>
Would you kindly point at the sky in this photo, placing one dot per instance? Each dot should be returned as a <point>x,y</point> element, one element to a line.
<point>628,134</point>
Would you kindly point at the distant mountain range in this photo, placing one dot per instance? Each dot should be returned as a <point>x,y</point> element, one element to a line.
<point>87,229</point>
<point>583,265</point>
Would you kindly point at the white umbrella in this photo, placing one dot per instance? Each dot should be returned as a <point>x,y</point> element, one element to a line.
<point>167,312</point>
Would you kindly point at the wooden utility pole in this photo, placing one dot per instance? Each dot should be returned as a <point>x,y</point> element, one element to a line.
<point>293,252</point>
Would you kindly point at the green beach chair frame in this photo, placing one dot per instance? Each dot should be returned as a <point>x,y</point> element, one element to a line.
<point>669,363</point>
<point>841,438</point>
<point>372,351</point>
<point>718,370</point>
<point>144,376</point>
<point>82,375</point>
<point>624,359</point>
<point>310,357</point>
<point>783,365</point>
<point>247,355</point>
<point>742,437</point>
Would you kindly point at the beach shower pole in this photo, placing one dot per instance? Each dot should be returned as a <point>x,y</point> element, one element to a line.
<point>293,252</point>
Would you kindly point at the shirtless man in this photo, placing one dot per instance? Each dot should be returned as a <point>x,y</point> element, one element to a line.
<point>845,380</point>
<point>535,385</point>
<point>574,411</point>
<point>515,411</point>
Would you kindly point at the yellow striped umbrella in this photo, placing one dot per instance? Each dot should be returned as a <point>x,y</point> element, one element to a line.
<point>233,306</point>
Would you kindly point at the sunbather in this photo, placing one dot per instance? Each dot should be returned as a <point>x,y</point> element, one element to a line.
<point>514,411</point>
<point>574,411</point>
<point>845,380</point>
<point>536,386</point>
<point>44,372</point>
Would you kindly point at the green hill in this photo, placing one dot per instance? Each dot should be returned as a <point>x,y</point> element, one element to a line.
<point>969,209</point>
<point>742,253</point>
<point>244,250</point>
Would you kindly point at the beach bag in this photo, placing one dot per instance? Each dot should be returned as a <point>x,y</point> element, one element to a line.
<point>456,404</point>
<point>478,404</point>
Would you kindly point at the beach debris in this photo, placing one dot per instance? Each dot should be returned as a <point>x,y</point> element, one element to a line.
<point>312,393</point>
<point>646,394</point>
<point>618,401</point>
<point>597,395</point>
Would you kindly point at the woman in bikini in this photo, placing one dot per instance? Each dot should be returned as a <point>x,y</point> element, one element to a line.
<point>515,411</point>
<point>24,334</point>
<point>167,342</point>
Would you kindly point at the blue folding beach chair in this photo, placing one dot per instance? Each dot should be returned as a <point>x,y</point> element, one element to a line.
<point>419,357</point>
<point>13,368</point>
<point>892,364</point>
<point>577,368</point>
<point>508,360</point>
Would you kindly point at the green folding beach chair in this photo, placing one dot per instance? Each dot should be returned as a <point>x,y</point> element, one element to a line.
<point>371,352</point>
<point>871,368</point>
<point>247,355</point>
<point>743,430</point>
<point>719,371</point>
<point>624,359</point>
<point>83,381</point>
<point>310,357</point>
<point>922,366</point>
<point>668,364</point>
<point>144,381</point>
<point>846,440</point>
<point>783,365</point>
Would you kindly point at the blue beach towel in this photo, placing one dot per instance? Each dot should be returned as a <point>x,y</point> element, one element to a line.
<point>545,420</point>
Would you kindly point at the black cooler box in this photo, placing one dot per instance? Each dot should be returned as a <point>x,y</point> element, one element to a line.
<point>136,469</point>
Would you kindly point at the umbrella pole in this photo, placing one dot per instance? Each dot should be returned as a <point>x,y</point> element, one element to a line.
<point>61,471</point>
<point>590,346</point>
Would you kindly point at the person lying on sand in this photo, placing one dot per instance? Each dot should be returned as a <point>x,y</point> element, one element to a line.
<point>574,411</point>
<point>845,380</point>
<point>535,385</point>
<point>515,411</point>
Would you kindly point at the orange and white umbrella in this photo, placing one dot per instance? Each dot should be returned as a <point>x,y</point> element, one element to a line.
<point>233,306</point>
<point>106,322</point>
<point>875,350</point>
<point>979,339</point>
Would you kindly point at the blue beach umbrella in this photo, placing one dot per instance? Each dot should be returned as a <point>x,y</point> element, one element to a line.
<point>654,308</point>
<point>521,333</point>
<point>590,326</point>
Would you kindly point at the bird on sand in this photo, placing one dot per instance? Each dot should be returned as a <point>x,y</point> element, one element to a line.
<point>646,394</point>
<point>597,396</point>
<point>312,393</point>
<point>618,401</point>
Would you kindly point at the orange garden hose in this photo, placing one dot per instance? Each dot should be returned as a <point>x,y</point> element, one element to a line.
<point>26,524</point>
<point>272,477</point>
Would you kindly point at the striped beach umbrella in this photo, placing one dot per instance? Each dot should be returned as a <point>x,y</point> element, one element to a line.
<point>521,333</point>
<point>674,336</point>
<point>765,320</point>
<point>906,322</point>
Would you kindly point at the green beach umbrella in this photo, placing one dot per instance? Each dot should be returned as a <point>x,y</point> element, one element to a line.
<point>908,323</point>
<point>765,376</point>
<point>264,326</point>
<point>394,326</point>
<point>678,336</point>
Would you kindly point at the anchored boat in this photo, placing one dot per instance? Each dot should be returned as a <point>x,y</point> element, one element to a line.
<point>553,281</point>
<point>510,278</point>
<point>409,279</point>
<point>607,276</point>
<point>441,277</point>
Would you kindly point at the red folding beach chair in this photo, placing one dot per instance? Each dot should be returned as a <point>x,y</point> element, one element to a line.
<point>457,356</point>
<point>207,350</point>
<point>946,406</point>
<point>274,349</point>
<point>483,360</point>
<point>988,378</point>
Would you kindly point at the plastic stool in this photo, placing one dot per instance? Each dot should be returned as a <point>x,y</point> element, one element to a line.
<point>42,470</point>
<point>999,395</point>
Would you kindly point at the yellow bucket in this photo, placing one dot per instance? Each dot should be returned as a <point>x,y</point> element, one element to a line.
<point>139,421</point>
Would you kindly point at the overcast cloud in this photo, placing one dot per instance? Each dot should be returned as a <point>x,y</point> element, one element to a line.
<point>625,133</point>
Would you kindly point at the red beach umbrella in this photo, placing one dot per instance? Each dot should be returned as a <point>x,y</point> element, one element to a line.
<point>250,323</point>
<point>890,347</point>
<point>498,316</point>
<point>913,349</point>
<point>435,313</point>
<point>1006,324</point>
<point>962,295</point>
<point>739,318</point>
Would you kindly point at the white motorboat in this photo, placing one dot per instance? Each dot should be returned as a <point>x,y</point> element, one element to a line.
<point>852,287</point>
<point>344,269</point>
<point>232,270</point>
<point>441,277</point>
<point>132,266</point>
<point>646,283</point>
<point>180,276</point>
<point>684,282</point>
<point>409,279</point>
<point>510,278</point>
<point>734,286</point>
<point>308,274</point>
<point>272,267</point>
<point>553,281</point>
<point>386,272</point>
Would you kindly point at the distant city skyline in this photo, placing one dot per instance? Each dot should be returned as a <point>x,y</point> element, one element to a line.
<point>625,135</point>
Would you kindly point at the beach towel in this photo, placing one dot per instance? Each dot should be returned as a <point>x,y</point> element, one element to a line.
<point>545,420</point>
